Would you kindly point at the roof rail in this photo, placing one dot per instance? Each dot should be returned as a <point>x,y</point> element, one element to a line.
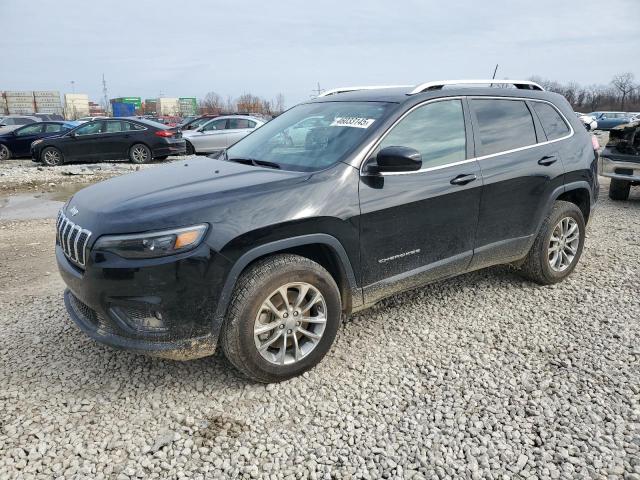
<point>335,91</point>
<point>523,84</point>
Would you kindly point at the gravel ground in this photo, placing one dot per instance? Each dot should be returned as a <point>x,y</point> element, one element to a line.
<point>23,174</point>
<point>482,376</point>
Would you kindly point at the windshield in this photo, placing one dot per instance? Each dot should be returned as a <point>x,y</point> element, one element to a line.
<point>312,136</point>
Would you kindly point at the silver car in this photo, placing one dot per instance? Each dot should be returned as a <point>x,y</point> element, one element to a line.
<point>220,133</point>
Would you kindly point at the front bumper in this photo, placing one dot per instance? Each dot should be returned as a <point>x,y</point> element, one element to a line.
<point>164,307</point>
<point>621,170</point>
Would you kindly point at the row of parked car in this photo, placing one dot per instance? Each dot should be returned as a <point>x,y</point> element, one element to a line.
<point>607,120</point>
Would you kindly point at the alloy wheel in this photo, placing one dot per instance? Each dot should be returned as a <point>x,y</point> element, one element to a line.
<point>290,323</point>
<point>140,154</point>
<point>51,157</point>
<point>563,244</point>
<point>4,152</point>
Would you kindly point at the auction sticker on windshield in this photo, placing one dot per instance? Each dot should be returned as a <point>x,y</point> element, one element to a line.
<point>352,122</point>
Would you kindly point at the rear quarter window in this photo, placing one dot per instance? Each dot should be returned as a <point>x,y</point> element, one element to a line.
<point>503,125</point>
<point>553,124</point>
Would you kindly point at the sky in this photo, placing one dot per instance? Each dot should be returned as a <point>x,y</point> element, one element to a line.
<point>188,48</point>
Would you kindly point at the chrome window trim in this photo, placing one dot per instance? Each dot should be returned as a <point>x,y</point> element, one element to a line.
<point>362,157</point>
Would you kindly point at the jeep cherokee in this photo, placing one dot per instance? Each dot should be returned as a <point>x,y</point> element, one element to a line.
<point>265,248</point>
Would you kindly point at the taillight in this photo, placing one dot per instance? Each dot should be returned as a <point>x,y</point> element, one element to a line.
<point>164,133</point>
<point>595,143</point>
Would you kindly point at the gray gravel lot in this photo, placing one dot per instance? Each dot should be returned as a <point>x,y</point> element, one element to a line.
<point>482,376</point>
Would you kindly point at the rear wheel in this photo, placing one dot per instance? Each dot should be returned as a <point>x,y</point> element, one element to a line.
<point>139,153</point>
<point>5,153</point>
<point>283,318</point>
<point>558,245</point>
<point>619,189</point>
<point>52,157</point>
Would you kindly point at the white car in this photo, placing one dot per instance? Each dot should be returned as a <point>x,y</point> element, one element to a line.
<point>220,133</point>
<point>589,121</point>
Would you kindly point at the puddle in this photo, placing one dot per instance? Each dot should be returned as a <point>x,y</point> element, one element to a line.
<point>28,206</point>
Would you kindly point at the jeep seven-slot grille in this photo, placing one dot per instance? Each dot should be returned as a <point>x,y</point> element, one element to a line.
<point>73,239</point>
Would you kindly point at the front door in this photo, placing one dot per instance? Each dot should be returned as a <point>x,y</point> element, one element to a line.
<point>21,146</point>
<point>84,142</point>
<point>420,226</point>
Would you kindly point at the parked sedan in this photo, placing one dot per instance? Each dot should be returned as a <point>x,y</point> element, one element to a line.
<point>17,143</point>
<point>220,133</point>
<point>110,139</point>
<point>609,120</point>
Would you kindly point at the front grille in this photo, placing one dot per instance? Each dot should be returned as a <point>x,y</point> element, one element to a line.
<point>73,239</point>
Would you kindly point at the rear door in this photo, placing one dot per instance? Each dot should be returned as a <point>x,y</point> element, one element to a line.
<point>520,170</point>
<point>420,226</point>
<point>238,128</point>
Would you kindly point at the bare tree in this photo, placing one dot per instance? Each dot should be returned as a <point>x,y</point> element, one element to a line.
<point>230,106</point>
<point>249,103</point>
<point>212,103</point>
<point>278,104</point>
<point>623,82</point>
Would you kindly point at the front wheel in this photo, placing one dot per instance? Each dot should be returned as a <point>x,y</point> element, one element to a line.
<point>558,245</point>
<point>52,157</point>
<point>139,153</point>
<point>190,149</point>
<point>283,318</point>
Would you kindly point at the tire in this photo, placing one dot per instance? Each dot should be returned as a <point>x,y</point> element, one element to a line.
<point>190,149</point>
<point>261,283</point>
<point>163,157</point>
<point>541,264</point>
<point>619,189</point>
<point>5,153</point>
<point>139,153</point>
<point>51,157</point>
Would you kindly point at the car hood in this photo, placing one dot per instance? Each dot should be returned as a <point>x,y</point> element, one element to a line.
<point>181,193</point>
<point>625,138</point>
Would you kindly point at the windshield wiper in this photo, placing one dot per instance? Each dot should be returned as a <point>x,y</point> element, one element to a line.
<point>253,161</point>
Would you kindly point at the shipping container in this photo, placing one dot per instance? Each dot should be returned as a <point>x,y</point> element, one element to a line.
<point>20,111</point>
<point>19,99</point>
<point>136,101</point>
<point>46,94</point>
<point>23,93</point>
<point>121,109</point>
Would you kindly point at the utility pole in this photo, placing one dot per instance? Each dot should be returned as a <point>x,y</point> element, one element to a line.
<point>317,91</point>
<point>73,86</point>
<point>105,95</point>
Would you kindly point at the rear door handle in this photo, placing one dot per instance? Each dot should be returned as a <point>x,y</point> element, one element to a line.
<point>463,179</point>
<point>548,160</point>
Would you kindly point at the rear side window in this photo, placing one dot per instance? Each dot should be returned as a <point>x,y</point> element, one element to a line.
<point>113,127</point>
<point>235,123</point>
<point>436,130</point>
<point>54,127</point>
<point>503,124</point>
<point>552,122</point>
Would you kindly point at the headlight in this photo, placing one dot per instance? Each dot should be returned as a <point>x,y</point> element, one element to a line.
<point>153,244</point>
<point>36,142</point>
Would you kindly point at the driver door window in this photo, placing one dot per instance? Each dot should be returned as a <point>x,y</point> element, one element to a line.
<point>436,130</point>
<point>90,128</point>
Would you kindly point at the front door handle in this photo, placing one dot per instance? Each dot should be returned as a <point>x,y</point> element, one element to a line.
<point>548,160</point>
<point>463,179</point>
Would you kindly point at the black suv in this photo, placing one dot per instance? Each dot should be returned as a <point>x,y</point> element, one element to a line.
<point>266,247</point>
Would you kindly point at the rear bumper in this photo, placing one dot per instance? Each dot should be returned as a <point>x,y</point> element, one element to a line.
<point>620,170</point>
<point>172,147</point>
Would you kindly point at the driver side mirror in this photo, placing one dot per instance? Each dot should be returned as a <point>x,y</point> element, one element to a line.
<point>395,159</point>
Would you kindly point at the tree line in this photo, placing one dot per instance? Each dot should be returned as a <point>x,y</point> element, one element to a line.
<point>622,93</point>
<point>213,103</point>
